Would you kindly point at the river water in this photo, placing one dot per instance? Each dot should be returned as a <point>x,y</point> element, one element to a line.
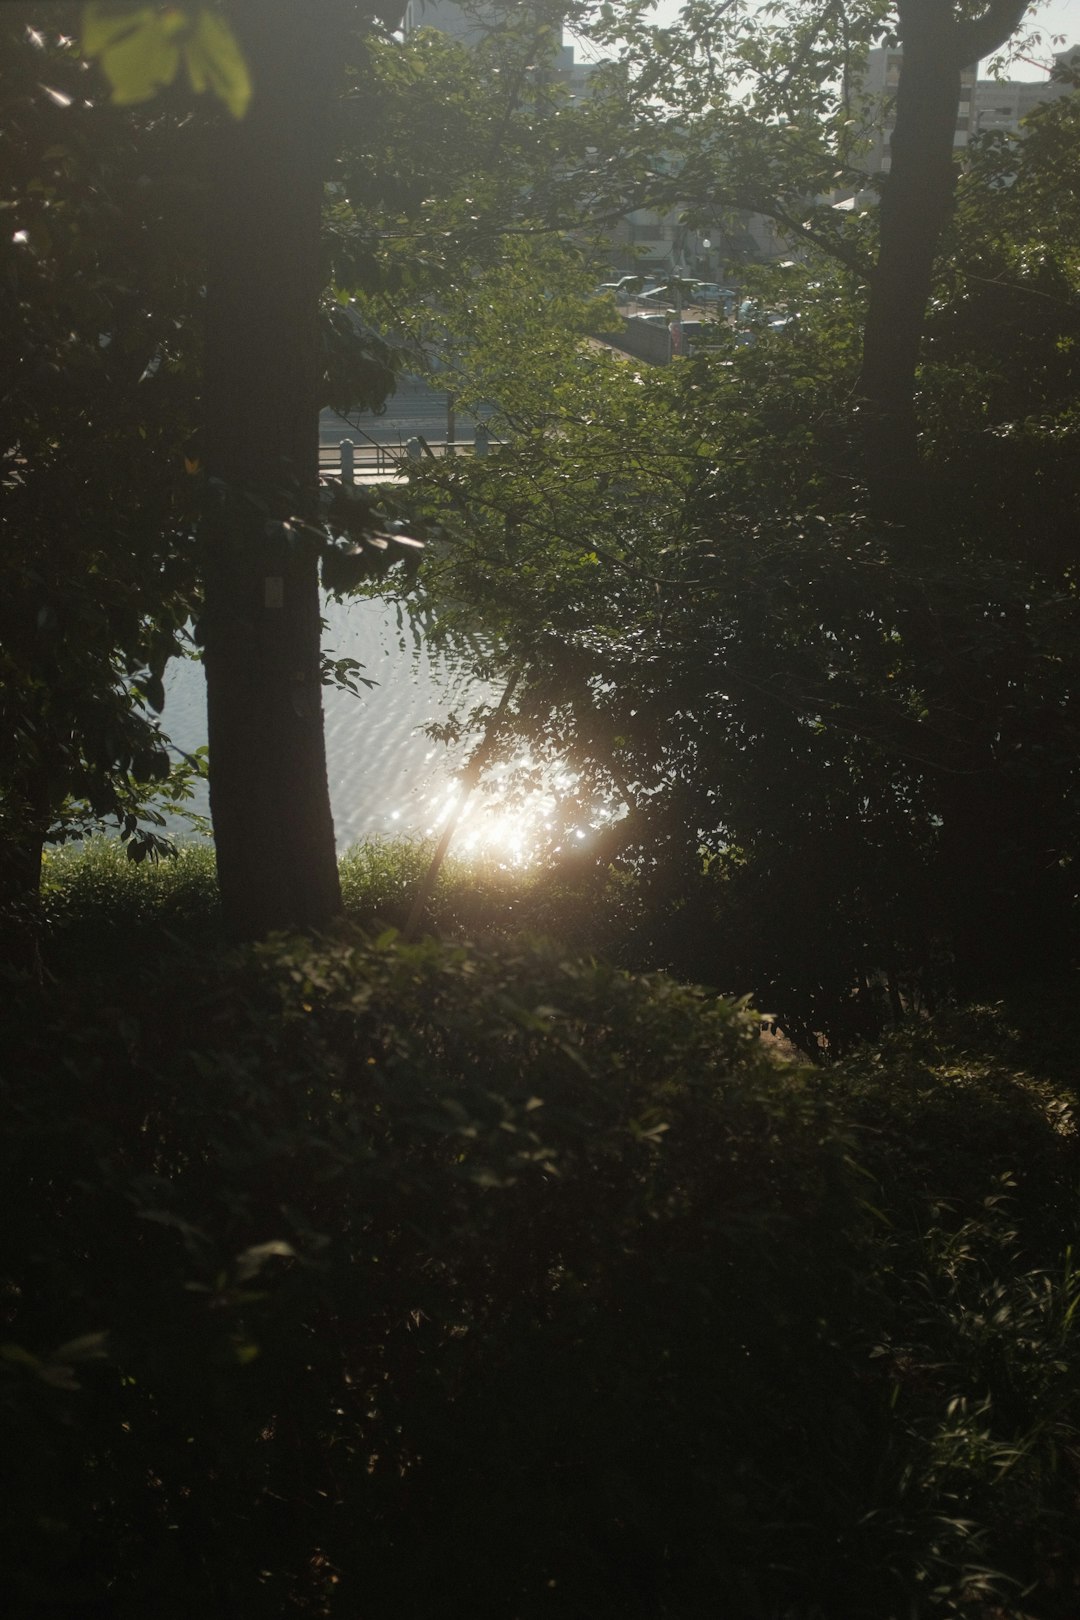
<point>387,778</point>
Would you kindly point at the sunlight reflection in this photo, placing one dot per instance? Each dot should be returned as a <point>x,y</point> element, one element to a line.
<point>510,827</point>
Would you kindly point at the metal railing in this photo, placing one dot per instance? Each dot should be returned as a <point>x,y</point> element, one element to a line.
<point>370,460</point>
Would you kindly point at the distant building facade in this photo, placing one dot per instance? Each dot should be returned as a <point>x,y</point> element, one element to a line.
<point>1003,104</point>
<point>646,240</point>
<point>472,22</point>
<point>466,23</point>
<point>874,94</point>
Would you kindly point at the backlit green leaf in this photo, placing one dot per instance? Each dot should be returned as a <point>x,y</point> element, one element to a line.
<point>141,48</point>
<point>215,61</point>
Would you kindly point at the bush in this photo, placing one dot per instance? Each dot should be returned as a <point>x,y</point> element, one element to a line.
<point>971,1166</point>
<point>413,1263</point>
<point>97,902</point>
<point>339,1275</point>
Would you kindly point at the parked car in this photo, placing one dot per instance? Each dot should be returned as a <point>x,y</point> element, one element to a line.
<point>696,334</point>
<point>622,291</point>
<point>711,292</point>
<point>751,313</point>
<point>753,320</point>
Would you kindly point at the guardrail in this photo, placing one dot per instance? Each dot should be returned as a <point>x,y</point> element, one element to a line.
<point>369,460</point>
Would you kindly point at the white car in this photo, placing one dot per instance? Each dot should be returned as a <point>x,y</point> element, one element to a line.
<point>622,291</point>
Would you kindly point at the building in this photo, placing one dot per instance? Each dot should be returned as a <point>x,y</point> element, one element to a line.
<point>471,23</point>
<point>985,104</point>
<point>874,97</point>
<point>1003,104</point>
<point>466,23</point>
<point>647,240</point>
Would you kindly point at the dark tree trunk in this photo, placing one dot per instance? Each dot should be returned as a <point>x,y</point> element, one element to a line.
<point>1001,899</point>
<point>916,203</point>
<point>20,901</point>
<point>915,207</point>
<point>268,790</point>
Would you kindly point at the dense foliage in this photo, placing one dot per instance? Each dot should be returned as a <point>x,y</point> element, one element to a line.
<point>841,750</point>
<point>360,1275</point>
<point>337,1275</point>
<point>98,353</point>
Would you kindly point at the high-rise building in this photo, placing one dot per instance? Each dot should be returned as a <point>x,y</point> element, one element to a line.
<point>464,22</point>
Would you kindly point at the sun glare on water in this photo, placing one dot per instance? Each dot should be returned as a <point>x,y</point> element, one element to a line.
<point>512,830</point>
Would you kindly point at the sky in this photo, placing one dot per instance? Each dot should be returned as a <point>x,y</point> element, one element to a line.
<point>1059,17</point>
<point>1056,17</point>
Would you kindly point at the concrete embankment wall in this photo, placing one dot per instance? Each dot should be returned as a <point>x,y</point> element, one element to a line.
<point>643,340</point>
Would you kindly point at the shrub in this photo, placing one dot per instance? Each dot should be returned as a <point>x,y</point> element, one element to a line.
<point>96,901</point>
<point>491,1269</point>
<point>357,1276</point>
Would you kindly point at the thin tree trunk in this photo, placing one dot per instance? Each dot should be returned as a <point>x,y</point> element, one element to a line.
<point>916,203</point>
<point>915,206</point>
<point>20,901</point>
<point>269,798</point>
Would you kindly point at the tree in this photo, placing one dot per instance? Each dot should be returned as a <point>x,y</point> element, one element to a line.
<point>267,373</point>
<point>109,263</point>
<point>842,755</point>
<point>764,122</point>
<point>938,41</point>
<point>268,779</point>
<point>268,792</point>
<point>102,258</point>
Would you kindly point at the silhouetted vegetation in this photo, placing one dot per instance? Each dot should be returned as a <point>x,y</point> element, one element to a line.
<point>358,1270</point>
<point>522,1268</point>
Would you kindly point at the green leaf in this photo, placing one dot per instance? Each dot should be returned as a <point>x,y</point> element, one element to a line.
<point>215,61</point>
<point>141,49</point>
<point>105,24</point>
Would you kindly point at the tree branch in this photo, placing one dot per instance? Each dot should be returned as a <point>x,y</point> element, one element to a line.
<point>983,35</point>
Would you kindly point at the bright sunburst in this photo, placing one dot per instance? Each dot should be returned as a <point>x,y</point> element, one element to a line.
<point>510,829</point>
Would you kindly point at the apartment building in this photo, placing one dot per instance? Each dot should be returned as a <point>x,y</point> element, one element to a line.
<point>1003,104</point>
<point>985,104</point>
<point>646,240</point>
<point>874,96</point>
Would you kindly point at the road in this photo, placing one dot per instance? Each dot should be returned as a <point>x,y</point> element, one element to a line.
<point>419,407</point>
<point>415,408</point>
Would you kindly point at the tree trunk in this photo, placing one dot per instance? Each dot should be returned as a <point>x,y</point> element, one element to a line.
<point>269,798</point>
<point>1002,901</point>
<point>915,206</point>
<point>21,856</point>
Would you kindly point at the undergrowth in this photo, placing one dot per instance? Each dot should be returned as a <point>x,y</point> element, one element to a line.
<point>339,1274</point>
